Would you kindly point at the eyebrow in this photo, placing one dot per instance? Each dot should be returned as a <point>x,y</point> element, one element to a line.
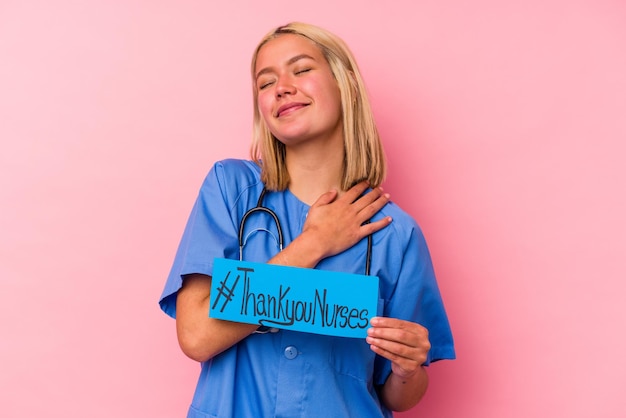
<point>291,61</point>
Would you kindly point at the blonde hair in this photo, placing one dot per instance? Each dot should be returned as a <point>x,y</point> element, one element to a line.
<point>364,154</point>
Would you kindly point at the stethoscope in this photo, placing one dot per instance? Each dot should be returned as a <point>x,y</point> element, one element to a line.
<point>260,208</point>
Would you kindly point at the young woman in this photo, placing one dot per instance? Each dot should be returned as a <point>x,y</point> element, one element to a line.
<point>318,159</point>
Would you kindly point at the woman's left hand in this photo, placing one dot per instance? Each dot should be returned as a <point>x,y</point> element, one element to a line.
<point>405,343</point>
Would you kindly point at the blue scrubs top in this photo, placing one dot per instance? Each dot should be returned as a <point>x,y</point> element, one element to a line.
<point>289,373</point>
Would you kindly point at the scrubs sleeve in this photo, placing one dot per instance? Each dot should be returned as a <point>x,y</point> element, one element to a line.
<point>416,298</point>
<point>210,232</point>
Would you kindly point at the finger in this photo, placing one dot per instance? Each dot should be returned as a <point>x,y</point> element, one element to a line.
<point>326,198</point>
<point>397,348</point>
<point>370,228</point>
<point>372,208</point>
<point>398,330</point>
<point>368,205</point>
<point>369,198</point>
<point>387,322</point>
<point>392,353</point>
<point>406,357</point>
<point>400,365</point>
<point>355,191</point>
<point>395,336</point>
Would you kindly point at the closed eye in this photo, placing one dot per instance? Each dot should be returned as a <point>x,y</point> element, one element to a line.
<point>265,85</point>
<point>304,70</point>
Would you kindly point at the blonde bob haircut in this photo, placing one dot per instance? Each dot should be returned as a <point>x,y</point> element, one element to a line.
<point>364,155</point>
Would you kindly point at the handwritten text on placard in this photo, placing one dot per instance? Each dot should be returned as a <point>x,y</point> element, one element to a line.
<point>317,301</point>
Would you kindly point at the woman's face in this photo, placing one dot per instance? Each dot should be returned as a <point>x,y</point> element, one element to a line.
<point>298,97</point>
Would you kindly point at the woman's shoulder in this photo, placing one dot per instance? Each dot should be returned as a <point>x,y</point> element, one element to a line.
<point>232,179</point>
<point>403,225</point>
<point>397,213</point>
<point>238,168</point>
<point>231,172</point>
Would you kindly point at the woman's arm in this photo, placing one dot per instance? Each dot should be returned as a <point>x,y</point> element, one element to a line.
<point>403,393</point>
<point>406,344</point>
<point>199,336</point>
<point>333,225</point>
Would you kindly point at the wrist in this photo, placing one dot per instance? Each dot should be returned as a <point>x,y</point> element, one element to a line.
<point>406,377</point>
<point>310,251</point>
<point>303,252</point>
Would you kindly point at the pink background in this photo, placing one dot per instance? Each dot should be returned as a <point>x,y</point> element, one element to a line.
<point>505,125</point>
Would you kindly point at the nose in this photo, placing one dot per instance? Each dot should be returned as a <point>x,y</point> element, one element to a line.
<point>284,86</point>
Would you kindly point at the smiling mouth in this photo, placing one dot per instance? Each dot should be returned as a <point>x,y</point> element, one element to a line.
<point>289,108</point>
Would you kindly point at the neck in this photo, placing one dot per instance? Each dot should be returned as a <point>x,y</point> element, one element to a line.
<point>315,170</point>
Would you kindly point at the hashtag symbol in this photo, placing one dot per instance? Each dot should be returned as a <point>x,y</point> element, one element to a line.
<point>227,292</point>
